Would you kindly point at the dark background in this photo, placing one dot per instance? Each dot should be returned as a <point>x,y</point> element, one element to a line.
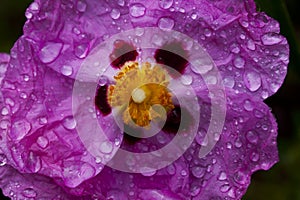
<point>282,182</point>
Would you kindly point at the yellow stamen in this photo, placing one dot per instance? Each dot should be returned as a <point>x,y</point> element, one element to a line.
<point>137,90</point>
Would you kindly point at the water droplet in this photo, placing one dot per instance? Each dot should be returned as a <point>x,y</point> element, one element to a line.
<point>229,82</point>
<point>166,23</point>
<point>271,38</point>
<point>248,105</point>
<point>50,51</point>
<point>165,4</point>
<point>34,6</point>
<point>239,62</point>
<point>66,70</point>
<point>102,80</point>
<point>252,80</point>
<point>224,188</point>
<point>183,173</point>
<point>121,2</point>
<point>81,51</point>
<point>186,79</point>
<point>228,145</point>
<point>69,123</point>
<point>137,10</point>
<point>115,14</point>
<point>4,111</point>
<point>238,143</point>
<point>251,45</point>
<point>20,129</point>
<point>171,169</point>
<point>76,31</point>
<point>207,32</point>
<point>81,6</point>
<point>222,176</point>
<point>28,14</point>
<point>254,157</point>
<point>240,177</point>
<point>194,16</point>
<point>252,137</point>
<point>3,160</point>
<point>198,172</point>
<point>106,147</point>
<point>201,66</point>
<point>29,192</point>
<point>42,142</point>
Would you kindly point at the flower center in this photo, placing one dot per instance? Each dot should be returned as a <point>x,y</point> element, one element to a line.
<point>140,93</point>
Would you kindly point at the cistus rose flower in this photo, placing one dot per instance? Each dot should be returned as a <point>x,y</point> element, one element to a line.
<point>166,72</point>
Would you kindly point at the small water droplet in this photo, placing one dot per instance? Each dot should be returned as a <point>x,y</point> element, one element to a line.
<point>165,4</point>
<point>239,62</point>
<point>50,51</point>
<point>183,173</point>
<point>42,142</point>
<point>121,2</point>
<point>4,111</point>
<point>66,70</point>
<point>3,160</point>
<point>252,80</point>
<point>248,105</point>
<point>69,123</point>
<point>81,6</point>
<point>251,45</point>
<point>198,172</point>
<point>252,137</point>
<point>106,147</point>
<point>254,157</point>
<point>186,79</point>
<point>238,143</point>
<point>115,13</point>
<point>224,188</point>
<point>29,192</point>
<point>81,51</point>
<point>271,38</point>
<point>207,32</point>
<point>137,10</point>
<point>222,176</point>
<point>228,145</point>
<point>166,23</point>
<point>76,31</point>
<point>43,120</point>
<point>194,16</point>
<point>240,177</point>
<point>102,81</point>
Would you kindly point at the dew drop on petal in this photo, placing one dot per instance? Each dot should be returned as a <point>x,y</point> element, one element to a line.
<point>106,147</point>
<point>69,123</point>
<point>166,23</point>
<point>252,137</point>
<point>20,129</point>
<point>254,157</point>
<point>248,105</point>
<point>271,38</point>
<point>3,160</point>
<point>251,45</point>
<point>201,66</point>
<point>224,188</point>
<point>81,51</point>
<point>81,6</point>
<point>222,176</point>
<point>198,172</point>
<point>66,70</point>
<point>252,80</point>
<point>4,111</point>
<point>115,14</point>
<point>29,192</point>
<point>239,62</point>
<point>42,142</point>
<point>165,4</point>
<point>194,16</point>
<point>186,79</point>
<point>137,10</point>
<point>50,51</point>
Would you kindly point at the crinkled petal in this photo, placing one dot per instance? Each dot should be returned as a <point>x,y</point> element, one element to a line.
<point>42,132</point>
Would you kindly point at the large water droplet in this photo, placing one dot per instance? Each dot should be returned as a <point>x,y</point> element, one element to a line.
<point>69,123</point>
<point>271,38</point>
<point>29,192</point>
<point>50,51</point>
<point>201,66</point>
<point>106,147</point>
<point>166,23</point>
<point>34,6</point>
<point>252,80</point>
<point>66,70</point>
<point>81,51</point>
<point>115,13</point>
<point>240,177</point>
<point>165,4</point>
<point>20,129</point>
<point>4,111</point>
<point>42,142</point>
<point>137,10</point>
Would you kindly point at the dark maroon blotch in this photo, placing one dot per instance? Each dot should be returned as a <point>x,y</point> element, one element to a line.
<point>101,100</point>
<point>172,55</point>
<point>177,120</point>
<point>122,53</point>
